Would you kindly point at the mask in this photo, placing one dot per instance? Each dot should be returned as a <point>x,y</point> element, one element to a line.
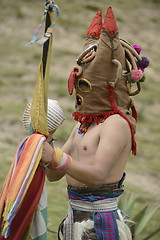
<point>105,72</point>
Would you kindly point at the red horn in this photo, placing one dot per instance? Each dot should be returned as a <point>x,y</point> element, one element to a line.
<point>96,25</point>
<point>110,22</point>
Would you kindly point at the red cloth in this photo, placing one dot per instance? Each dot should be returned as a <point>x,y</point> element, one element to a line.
<point>110,22</point>
<point>96,25</point>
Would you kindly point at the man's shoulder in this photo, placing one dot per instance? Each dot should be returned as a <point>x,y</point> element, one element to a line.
<point>115,123</point>
<point>116,129</point>
<point>115,119</point>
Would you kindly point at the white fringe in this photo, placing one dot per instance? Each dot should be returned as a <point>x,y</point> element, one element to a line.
<point>81,228</point>
<point>124,231</point>
<point>84,227</point>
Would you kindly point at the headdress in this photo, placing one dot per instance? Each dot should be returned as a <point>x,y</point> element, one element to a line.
<point>55,116</point>
<point>104,75</point>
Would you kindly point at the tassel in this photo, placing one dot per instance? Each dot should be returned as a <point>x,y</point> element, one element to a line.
<point>49,7</point>
<point>34,38</point>
<point>83,127</point>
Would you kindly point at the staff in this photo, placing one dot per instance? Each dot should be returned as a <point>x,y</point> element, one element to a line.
<point>24,184</point>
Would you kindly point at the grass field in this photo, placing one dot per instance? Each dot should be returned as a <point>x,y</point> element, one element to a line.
<point>139,23</point>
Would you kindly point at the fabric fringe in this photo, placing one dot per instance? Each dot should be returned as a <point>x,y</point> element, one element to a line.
<point>81,228</point>
<point>5,224</point>
<point>90,117</point>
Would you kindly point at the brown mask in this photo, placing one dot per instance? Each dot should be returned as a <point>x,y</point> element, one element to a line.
<point>104,74</point>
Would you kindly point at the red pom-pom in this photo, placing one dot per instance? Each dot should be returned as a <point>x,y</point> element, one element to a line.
<point>136,75</point>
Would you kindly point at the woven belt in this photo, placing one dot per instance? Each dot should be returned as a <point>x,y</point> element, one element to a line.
<point>105,205</point>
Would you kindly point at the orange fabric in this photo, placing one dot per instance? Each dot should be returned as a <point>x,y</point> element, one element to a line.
<point>23,166</point>
<point>23,169</point>
<point>6,184</point>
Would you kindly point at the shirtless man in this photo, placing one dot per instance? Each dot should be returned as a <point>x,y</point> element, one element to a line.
<point>99,156</point>
<point>95,155</point>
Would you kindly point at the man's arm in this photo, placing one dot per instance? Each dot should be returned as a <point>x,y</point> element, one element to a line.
<point>48,156</point>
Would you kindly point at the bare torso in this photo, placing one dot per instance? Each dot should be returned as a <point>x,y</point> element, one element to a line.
<point>83,148</point>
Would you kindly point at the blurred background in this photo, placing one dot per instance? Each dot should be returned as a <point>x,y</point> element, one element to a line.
<point>138,23</point>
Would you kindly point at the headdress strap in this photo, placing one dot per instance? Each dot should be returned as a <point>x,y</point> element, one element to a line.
<point>116,110</point>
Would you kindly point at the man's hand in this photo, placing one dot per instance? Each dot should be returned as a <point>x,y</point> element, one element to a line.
<point>48,158</point>
<point>47,153</point>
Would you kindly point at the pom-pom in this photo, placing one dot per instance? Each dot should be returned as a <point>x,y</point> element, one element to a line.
<point>137,48</point>
<point>143,63</point>
<point>135,76</point>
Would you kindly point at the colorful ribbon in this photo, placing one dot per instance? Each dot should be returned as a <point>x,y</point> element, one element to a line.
<point>50,7</point>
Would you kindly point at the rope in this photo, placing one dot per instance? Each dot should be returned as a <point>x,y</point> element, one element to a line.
<point>52,231</point>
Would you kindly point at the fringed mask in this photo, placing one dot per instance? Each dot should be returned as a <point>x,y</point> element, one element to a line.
<point>105,72</point>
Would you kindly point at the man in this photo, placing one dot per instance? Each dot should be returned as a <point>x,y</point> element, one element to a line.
<point>95,155</point>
